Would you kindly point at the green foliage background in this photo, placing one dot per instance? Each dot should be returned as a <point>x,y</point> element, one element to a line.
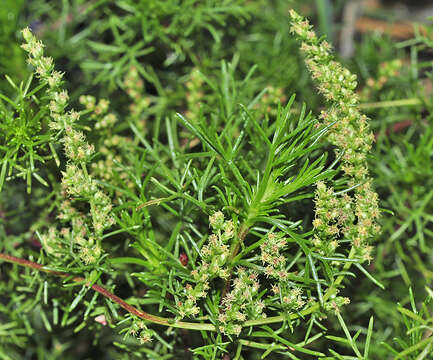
<point>245,55</point>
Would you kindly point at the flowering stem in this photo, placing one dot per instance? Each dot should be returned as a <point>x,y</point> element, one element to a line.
<point>171,322</point>
<point>331,291</point>
<point>243,232</point>
<point>131,309</point>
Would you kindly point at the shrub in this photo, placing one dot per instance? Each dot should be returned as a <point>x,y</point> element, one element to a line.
<point>197,208</point>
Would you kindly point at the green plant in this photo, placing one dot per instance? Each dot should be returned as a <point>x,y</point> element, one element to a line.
<point>396,96</point>
<point>191,206</point>
<point>262,265</point>
<point>416,342</point>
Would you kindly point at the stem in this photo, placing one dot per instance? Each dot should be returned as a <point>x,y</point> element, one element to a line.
<point>172,322</point>
<point>262,346</point>
<point>391,103</point>
<point>243,231</point>
<point>333,289</point>
<point>131,309</point>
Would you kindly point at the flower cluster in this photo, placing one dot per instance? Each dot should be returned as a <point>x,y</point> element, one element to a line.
<point>49,241</point>
<point>134,87</point>
<point>99,111</point>
<point>241,303</point>
<point>216,252</point>
<point>56,242</point>
<point>336,303</point>
<point>290,297</point>
<point>44,66</point>
<point>76,182</point>
<point>77,149</point>
<point>334,216</point>
<point>271,257</point>
<point>268,102</point>
<point>44,69</point>
<point>387,71</point>
<point>352,217</point>
<point>110,145</point>
<point>194,94</point>
<point>243,300</point>
<point>139,330</point>
<point>215,255</point>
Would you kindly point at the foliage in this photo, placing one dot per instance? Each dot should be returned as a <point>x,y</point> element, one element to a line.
<point>192,206</point>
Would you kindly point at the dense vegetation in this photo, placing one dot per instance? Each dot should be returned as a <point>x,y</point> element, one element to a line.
<point>210,180</point>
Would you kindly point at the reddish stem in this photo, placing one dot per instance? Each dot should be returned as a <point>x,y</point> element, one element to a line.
<point>131,309</point>
<point>397,127</point>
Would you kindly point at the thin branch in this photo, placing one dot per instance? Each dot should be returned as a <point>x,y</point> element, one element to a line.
<point>172,322</point>
<point>131,309</point>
